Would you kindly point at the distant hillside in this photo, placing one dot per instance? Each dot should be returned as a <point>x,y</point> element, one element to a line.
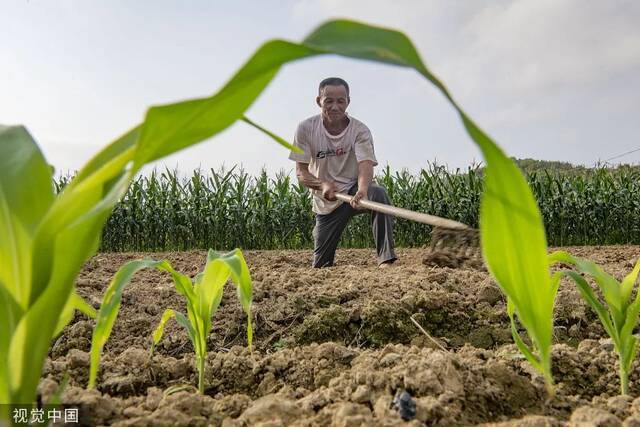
<point>532,166</point>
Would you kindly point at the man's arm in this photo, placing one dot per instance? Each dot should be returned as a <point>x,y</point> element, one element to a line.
<point>365,176</point>
<point>307,179</point>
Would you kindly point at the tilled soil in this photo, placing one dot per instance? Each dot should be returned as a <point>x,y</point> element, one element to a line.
<point>334,346</point>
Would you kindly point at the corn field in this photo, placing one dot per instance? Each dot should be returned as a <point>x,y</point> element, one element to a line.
<point>229,208</point>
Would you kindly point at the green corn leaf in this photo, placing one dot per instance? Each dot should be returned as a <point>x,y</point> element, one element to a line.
<point>592,300</point>
<point>21,206</point>
<point>9,317</point>
<point>109,311</point>
<point>21,161</point>
<point>275,137</point>
<point>629,353</point>
<point>182,282</point>
<point>242,278</point>
<point>184,322</point>
<point>166,316</point>
<point>609,286</point>
<point>75,302</point>
<point>90,202</point>
<point>607,283</point>
<point>239,273</point>
<point>633,310</point>
<point>32,336</point>
<point>157,334</point>
<point>185,288</point>
<point>524,349</point>
<point>555,281</point>
<point>208,288</point>
<point>626,287</point>
<point>173,127</point>
<point>116,150</point>
<point>514,246</point>
<point>626,334</point>
<point>84,307</point>
<point>622,316</point>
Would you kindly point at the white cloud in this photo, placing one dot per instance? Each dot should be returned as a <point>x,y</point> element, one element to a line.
<point>515,47</point>
<point>526,46</point>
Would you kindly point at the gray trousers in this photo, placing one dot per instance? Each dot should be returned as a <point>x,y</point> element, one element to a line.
<point>329,228</point>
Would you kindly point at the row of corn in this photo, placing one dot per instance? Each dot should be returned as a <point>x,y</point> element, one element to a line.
<point>163,211</point>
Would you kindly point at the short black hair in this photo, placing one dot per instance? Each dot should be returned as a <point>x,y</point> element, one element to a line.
<point>333,81</point>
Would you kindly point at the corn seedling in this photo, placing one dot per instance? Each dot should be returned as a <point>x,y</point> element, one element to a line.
<point>515,250</point>
<point>45,241</point>
<point>203,298</point>
<point>620,315</point>
<point>46,238</point>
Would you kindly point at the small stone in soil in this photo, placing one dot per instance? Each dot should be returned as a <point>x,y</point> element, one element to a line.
<point>405,405</point>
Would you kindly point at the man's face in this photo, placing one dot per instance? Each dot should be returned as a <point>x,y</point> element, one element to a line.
<point>333,101</point>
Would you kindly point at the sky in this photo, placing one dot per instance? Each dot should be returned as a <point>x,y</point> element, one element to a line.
<point>547,79</point>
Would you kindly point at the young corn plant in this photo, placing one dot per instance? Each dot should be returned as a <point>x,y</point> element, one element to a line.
<point>45,238</point>
<point>514,248</point>
<point>620,315</point>
<point>203,298</point>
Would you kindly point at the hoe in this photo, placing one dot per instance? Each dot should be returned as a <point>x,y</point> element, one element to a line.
<point>452,243</point>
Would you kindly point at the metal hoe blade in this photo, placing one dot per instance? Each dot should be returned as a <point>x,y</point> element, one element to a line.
<point>454,248</point>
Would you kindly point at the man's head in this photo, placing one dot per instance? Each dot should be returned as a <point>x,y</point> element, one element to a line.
<point>333,99</point>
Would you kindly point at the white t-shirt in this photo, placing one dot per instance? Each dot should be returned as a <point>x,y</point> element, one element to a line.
<point>333,157</point>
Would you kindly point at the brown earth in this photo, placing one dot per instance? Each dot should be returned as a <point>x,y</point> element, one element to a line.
<point>333,346</point>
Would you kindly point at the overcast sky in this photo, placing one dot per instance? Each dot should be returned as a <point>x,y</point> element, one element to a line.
<point>548,79</point>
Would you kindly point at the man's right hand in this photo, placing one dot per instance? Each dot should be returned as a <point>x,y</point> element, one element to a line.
<point>329,190</point>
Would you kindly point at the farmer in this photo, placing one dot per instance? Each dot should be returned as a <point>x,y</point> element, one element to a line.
<point>339,157</point>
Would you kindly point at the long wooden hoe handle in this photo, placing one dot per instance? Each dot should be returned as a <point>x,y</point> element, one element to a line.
<point>423,218</point>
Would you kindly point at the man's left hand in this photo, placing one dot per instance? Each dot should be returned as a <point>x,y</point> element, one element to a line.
<point>360,194</point>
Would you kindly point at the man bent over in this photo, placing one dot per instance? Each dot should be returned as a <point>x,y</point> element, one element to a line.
<point>339,157</point>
